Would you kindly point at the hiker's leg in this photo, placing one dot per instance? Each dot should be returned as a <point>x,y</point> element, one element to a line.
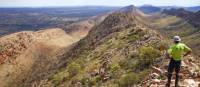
<point>177,69</point>
<point>170,71</point>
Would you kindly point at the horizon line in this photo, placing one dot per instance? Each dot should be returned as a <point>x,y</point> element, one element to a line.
<point>93,6</point>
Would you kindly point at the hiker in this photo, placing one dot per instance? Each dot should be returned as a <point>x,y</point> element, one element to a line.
<point>175,53</point>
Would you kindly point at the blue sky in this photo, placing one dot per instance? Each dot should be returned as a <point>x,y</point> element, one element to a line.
<point>43,3</point>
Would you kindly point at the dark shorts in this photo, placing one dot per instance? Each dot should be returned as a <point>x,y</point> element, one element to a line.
<point>174,64</point>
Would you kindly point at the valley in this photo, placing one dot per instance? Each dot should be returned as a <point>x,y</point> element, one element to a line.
<point>22,19</point>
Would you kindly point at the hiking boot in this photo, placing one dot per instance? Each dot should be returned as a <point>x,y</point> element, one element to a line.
<point>167,85</point>
<point>177,85</point>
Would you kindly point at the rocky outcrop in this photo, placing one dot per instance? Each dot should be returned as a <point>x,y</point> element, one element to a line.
<point>13,45</point>
<point>190,74</point>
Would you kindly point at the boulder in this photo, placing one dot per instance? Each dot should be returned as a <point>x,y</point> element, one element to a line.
<point>190,83</point>
<point>156,81</point>
<point>157,70</point>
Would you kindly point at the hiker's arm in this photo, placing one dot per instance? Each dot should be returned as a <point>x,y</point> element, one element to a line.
<point>187,53</point>
<point>187,50</point>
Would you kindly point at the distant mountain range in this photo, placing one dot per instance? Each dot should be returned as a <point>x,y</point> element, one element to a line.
<point>150,9</point>
<point>192,17</point>
<point>153,9</point>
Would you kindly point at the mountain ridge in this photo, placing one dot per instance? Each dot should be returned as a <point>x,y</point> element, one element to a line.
<point>120,37</point>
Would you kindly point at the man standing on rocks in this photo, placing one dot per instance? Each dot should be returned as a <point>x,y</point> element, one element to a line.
<point>175,53</point>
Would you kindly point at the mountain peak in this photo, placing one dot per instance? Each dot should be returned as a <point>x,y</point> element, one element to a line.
<point>147,5</point>
<point>129,8</point>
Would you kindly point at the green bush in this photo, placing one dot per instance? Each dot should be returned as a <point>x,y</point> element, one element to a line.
<point>149,53</point>
<point>147,56</point>
<point>115,70</point>
<point>73,69</point>
<point>114,67</point>
<point>128,80</point>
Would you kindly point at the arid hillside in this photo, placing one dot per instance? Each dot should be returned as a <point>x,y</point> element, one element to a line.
<point>27,54</point>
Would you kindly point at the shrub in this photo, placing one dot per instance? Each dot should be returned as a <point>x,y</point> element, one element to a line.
<point>73,69</point>
<point>149,53</point>
<point>114,67</point>
<point>128,80</point>
<point>115,70</point>
<point>132,37</point>
<point>147,56</point>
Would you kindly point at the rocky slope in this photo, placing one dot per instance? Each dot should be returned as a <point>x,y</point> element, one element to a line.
<point>28,55</point>
<point>117,52</point>
<point>190,74</point>
<point>15,44</point>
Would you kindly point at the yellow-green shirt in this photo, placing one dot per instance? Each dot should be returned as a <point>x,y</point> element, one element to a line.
<point>177,50</point>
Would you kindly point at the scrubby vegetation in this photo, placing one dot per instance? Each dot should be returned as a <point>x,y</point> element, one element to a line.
<point>118,57</point>
<point>117,61</point>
